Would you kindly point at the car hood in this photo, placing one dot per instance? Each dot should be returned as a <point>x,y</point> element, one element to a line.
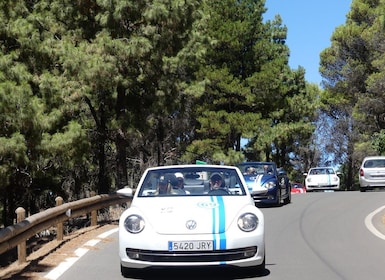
<point>322,178</point>
<point>257,183</point>
<point>192,215</point>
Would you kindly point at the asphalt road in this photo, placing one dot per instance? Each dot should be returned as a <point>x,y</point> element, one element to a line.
<point>318,236</point>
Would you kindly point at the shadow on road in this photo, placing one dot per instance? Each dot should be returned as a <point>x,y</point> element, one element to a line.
<point>223,273</point>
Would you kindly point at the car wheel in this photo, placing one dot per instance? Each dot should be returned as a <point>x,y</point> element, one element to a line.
<point>288,198</point>
<point>278,201</point>
<point>362,189</point>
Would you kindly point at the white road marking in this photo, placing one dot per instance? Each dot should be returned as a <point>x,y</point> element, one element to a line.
<point>370,226</point>
<point>68,262</point>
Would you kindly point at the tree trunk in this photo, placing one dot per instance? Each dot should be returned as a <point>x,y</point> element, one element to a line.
<point>121,164</point>
<point>102,140</point>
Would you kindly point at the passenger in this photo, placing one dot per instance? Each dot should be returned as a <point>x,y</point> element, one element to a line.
<point>179,188</point>
<point>250,170</point>
<point>165,184</point>
<point>217,185</point>
<point>267,169</point>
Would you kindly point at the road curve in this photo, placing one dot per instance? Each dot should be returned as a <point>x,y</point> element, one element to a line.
<point>318,236</point>
<point>324,236</point>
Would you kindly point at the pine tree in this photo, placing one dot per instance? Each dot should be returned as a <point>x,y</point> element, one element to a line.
<point>249,90</point>
<point>351,68</point>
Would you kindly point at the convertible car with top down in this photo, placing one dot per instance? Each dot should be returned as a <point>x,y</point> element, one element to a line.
<point>191,216</point>
<point>267,184</point>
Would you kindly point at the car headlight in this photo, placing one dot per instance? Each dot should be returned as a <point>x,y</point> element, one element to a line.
<point>270,185</point>
<point>134,224</point>
<point>248,222</point>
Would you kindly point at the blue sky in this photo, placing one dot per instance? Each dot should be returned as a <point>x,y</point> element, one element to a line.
<point>310,25</point>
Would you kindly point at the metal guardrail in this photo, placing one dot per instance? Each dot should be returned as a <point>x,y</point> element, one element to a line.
<point>25,228</point>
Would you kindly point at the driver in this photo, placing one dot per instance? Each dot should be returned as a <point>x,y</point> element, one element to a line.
<point>217,184</point>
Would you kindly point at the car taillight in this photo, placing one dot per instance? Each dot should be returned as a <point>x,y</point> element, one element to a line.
<point>361,172</point>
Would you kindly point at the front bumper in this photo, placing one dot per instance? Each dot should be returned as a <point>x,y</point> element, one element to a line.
<point>322,187</point>
<point>246,251</point>
<point>268,198</point>
<point>168,260</point>
<point>191,257</point>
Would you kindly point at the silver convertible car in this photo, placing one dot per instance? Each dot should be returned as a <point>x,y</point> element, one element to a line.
<point>191,216</point>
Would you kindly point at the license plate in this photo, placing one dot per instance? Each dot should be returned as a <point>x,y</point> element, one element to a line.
<point>202,245</point>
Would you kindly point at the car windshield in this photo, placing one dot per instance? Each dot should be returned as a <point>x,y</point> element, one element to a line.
<point>321,171</point>
<point>195,181</point>
<point>256,168</point>
<point>374,163</point>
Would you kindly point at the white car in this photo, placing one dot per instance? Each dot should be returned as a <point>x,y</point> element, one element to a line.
<point>372,173</point>
<point>322,178</point>
<point>191,216</point>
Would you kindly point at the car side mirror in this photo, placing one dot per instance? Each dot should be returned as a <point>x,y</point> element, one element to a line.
<point>125,192</point>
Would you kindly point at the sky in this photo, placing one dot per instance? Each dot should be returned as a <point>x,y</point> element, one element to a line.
<point>310,25</point>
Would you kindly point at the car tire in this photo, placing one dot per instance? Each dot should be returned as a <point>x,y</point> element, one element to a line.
<point>279,197</point>
<point>288,198</point>
<point>362,189</point>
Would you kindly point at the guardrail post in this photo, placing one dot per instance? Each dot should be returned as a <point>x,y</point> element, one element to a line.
<point>94,213</point>
<point>21,247</point>
<point>59,226</point>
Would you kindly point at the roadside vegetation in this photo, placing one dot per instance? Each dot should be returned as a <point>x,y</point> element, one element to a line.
<point>94,92</point>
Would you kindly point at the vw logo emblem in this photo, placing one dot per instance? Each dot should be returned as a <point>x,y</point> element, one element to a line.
<point>191,224</point>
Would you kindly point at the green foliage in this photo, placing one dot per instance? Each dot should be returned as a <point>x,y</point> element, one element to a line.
<point>353,70</point>
<point>231,157</point>
<point>93,92</point>
<point>13,152</point>
<point>250,92</point>
<point>378,142</point>
<point>69,146</point>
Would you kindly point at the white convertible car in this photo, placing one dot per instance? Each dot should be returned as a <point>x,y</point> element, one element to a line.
<point>191,216</point>
<point>322,179</point>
